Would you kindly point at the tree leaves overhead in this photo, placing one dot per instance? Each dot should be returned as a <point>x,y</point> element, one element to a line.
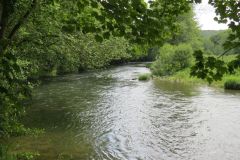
<point>135,20</point>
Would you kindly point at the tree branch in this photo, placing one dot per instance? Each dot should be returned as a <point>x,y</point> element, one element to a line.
<point>22,20</point>
<point>225,52</point>
<point>27,39</point>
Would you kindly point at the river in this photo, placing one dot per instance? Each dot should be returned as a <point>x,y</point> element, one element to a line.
<point>111,115</point>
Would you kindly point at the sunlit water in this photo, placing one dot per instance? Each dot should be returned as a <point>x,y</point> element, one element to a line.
<point>111,115</point>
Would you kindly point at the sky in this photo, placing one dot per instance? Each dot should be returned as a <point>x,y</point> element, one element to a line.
<point>204,16</point>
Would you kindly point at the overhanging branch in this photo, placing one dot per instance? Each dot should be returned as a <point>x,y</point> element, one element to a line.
<point>225,52</point>
<point>22,20</point>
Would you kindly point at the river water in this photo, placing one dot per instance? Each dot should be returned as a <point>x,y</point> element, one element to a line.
<point>111,115</point>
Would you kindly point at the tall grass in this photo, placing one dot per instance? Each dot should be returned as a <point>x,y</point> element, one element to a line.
<point>183,76</point>
<point>227,82</point>
<point>232,83</point>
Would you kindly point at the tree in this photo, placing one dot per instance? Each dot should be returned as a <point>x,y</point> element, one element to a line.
<point>189,31</point>
<point>172,58</point>
<point>215,43</point>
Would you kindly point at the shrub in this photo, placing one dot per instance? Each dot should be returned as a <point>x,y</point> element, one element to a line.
<point>172,59</point>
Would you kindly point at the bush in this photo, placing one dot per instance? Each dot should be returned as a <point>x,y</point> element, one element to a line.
<point>172,59</point>
<point>144,77</point>
<point>233,84</point>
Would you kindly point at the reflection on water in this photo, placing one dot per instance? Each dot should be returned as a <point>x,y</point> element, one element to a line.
<point>111,115</point>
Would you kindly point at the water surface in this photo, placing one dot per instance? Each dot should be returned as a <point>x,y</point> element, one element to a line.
<point>111,115</point>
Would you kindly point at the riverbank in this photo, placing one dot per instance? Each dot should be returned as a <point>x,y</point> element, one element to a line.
<point>227,82</point>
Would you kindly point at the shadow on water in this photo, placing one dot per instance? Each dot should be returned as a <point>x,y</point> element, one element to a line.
<point>111,115</point>
<point>63,107</point>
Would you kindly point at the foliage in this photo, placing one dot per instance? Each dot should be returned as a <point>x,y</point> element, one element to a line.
<point>228,13</point>
<point>172,59</point>
<point>214,44</point>
<point>206,34</point>
<point>52,49</point>
<point>144,77</point>
<point>189,31</point>
<point>183,76</point>
<point>77,52</point>
<point>212,68</point>
<point>14,89</point>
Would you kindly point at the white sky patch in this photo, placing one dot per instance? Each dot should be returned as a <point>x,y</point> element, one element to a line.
<point>205,14</point>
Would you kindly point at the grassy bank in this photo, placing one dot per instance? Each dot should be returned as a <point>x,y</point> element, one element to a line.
<point>172,72</point>
<point>227,82</point>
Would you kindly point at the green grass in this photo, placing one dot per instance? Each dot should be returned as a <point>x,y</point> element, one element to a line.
<point>184,77</point>
<point>227,82</point>
<point>144,77</point>
<point>232,83</point>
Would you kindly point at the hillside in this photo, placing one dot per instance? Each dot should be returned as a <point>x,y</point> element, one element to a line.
<point>209,33</point>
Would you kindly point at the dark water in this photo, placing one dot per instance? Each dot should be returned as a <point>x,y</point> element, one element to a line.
<point>111,115</point>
